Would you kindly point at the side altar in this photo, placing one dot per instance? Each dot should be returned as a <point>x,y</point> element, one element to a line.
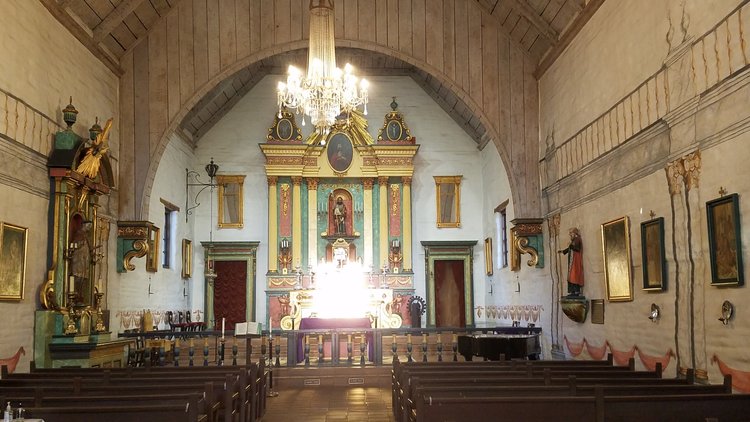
<point>340,233</point>
<point>71,327</point>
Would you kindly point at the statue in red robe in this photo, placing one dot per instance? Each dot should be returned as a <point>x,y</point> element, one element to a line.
<point>575,262</point>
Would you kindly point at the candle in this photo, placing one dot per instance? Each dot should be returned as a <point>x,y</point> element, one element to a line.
<point>71,284</point>
<point>223,322</point>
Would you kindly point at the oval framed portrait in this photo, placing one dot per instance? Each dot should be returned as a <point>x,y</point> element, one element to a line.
<point>340,152</point>
<point>284,129</point>
<point>394,130</point>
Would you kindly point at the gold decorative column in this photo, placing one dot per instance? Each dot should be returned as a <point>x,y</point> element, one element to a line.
<point>296,221</point>
<point>312,219</point>
<point>367,183</point>
<point>406,228</point>
<point>383,208</point>
<point>273,225</point>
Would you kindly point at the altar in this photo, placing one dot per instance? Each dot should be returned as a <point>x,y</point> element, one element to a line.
<point>344,324</point>
<point>330,308</point>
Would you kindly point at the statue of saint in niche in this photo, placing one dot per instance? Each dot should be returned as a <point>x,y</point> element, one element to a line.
<point>339,216</point>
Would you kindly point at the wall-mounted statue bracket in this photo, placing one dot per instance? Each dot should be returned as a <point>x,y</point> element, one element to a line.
<point>136,239</point>
<point>526,238</point>
<point>575,308</point>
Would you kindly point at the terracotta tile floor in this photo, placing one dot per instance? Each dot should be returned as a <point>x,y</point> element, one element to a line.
<point>329,404</point>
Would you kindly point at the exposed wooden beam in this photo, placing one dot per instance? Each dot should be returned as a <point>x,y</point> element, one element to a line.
<point>544,28</point>
<point>83,36</point>
<point>580,21</point>
<point>115,18</point>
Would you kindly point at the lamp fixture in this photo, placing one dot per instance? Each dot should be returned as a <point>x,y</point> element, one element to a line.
<point>326,91</point>
<point>192,178</point>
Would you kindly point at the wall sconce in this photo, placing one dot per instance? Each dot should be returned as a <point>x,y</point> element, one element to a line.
<point>192,178</point>
<point>285,256</point>
<point>655,313</point>
<point>727,310</point>
<point>395,244</point>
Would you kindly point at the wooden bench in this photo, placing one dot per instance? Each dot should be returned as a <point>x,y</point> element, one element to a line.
<point>582,388</point>
<point>599,408</point>
<point>241,390</point>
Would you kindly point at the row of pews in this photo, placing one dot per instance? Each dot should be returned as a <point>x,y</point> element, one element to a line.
<point>556,391</point>
<point>179,394</point>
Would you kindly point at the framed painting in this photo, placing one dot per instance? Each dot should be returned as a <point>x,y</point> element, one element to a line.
<point>616,252</point>
<point>488,256</point>
<point>653,257</point>
<point>13,244</point>
<point>152,256</point>
<point>187,258</point>
<point>597,311</point>
<point>340,152</point>
<point>231,198</point>
<point>724,241</point>
<point>448,196</point>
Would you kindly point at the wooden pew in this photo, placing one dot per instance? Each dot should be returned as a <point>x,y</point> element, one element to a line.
<point>574,388</point>
<point>163,412</point>
<point>237,386</point>
<point>492,376</point>
<point>599,408</point>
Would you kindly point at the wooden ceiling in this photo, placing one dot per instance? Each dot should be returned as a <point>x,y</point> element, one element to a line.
<point>110,28</point>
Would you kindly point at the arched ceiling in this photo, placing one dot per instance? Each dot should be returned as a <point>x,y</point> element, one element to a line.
<point>109,28</point>
<point>225,95</point>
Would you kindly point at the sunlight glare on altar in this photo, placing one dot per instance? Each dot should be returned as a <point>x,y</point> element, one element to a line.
<point>341,292</point>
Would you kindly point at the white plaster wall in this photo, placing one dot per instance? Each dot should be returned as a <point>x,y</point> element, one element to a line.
<point>130,292</point>
<point>622,45</point>
<point>42,65</point>
<point>445,150</point>
<point>620,48</point>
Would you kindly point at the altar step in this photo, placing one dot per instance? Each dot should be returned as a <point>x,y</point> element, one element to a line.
<point>368,376</point>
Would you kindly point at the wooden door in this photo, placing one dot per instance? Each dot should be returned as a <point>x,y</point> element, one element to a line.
<point>230,293</point>
<point>449,293</point>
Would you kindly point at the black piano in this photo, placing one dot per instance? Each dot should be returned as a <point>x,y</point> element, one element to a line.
<point>495,346</point>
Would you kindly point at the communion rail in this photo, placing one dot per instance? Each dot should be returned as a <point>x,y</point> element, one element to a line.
<point>314,347</point>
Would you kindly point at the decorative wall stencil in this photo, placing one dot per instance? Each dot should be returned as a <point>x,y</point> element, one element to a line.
<point>12,361</point>
<point>394,207</point>
<point>724,241</point>
<point>621,358</point>
<point>740,379</point>
<point>285,210</point>
<point>530,313</point>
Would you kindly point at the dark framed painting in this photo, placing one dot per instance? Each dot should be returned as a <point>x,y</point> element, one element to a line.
<point>724,241</point>
<point>597,311</point>
<point>653,256</point>
<point>13,244</point>
<point>340,152</point>
<point>616,252</point>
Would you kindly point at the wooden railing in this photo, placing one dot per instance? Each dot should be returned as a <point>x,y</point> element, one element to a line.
<point>319,347</point>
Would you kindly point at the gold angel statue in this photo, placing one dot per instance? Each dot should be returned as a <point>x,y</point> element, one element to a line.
<point>90,163</point>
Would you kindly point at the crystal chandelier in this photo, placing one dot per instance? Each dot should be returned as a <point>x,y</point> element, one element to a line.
<point>327,91</point>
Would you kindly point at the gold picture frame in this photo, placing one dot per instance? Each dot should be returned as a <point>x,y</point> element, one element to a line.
<point>488,265</point>
<point>617,261</point>
<point>152,256</point>
<point>13,246</point>
<point>448,201</point>
<point>187,258</point>
<point>231,194</point>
